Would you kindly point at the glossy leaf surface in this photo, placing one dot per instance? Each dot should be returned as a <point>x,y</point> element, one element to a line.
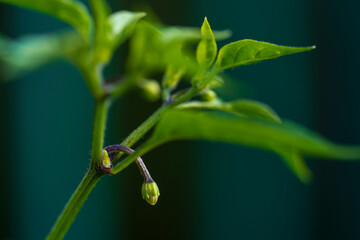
<point>245,52</point>
<point>291,141</point>
<point>156,48</point>
<point>112,30</point>
<point>243,107</point>
<point>121,25</point>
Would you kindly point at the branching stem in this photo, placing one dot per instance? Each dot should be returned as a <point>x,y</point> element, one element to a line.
<point>94,173</point>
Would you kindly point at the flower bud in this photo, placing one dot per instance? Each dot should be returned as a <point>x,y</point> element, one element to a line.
<point>150,192</point>
<point>207,95</point>
<point>150,89</point>
<point>106,160</point>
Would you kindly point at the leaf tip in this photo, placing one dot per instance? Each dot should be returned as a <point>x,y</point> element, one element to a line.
<point>306,177</point>
<point>206,23</point>
<point>310,48</point>
<point>141,14</point>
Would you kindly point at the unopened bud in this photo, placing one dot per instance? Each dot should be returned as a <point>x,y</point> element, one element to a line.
<point>150,192</point>
<point>207,95</point>
<point>106,160</point>
<point>150,89</point>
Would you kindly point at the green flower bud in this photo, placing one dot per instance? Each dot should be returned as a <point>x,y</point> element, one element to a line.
<point>106,160</point>
<point>150,192</point>
<point>150,89</point>
<point>207,95</point>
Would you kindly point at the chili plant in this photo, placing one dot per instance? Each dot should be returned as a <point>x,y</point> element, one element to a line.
<point>178,54</point>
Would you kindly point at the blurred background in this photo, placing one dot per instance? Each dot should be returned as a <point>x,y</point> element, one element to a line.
<point>46,123</point>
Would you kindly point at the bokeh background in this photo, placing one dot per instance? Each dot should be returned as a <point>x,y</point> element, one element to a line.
<point>208,190</point>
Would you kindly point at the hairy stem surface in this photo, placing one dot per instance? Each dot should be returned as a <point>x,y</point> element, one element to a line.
<point>77,200</point>
<point>89,181</point>
<point>74,205</point>
<point>100,114</point>
<point>146,126</point>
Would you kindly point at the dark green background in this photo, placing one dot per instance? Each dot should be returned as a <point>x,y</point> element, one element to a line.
<point>208,190</point>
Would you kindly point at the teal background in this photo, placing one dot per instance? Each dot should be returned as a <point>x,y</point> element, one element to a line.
<point>208,190</point>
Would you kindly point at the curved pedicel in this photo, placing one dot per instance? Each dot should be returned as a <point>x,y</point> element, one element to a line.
<point>149,190</point>
<point>113,150</point>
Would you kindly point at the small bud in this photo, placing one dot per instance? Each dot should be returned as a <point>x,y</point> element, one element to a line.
<point>106,160</point>
<point>207,95</point>
<point>150,89</point>
<point>150,192</point>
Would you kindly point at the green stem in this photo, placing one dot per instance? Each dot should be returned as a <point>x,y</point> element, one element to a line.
<point>148,124</point>
<point>93,175</point>
<point>154,118</point>
<point>122,87</point>
<point>74,205</point>
<point>132,157</point>
<point>77,200</point>
<point>93,78</point>
<point>100,114</point>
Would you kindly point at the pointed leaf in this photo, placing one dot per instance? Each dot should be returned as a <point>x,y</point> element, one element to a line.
<point>248,51</point>
<point>171,77</point>
<point>216,82</point>
<point>70,11</point>
<point>243,107</point>
<point>206,50</point>
<point>112,32</point>
<point>153,49</point>
<point>289,140</point>
<point>296,163</point>
<point>121,25</point>
<point>150,54</point>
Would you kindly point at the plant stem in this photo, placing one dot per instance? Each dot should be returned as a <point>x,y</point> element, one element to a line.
<point>100,114</point>
<point>147,125</point>
<point>121,87</point>
<point>93,175</point>
<point>74,205</point>
<point>93,78</point>
<point>89,181</point>
<point>152,120</point>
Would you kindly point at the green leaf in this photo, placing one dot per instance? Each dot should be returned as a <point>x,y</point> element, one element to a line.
<point>31,52</point>
<point>248,51</point>
<point>289,140</point>
<point>155,49</point>
<point>171,77</point>
<point>150,89</point>
<point>112,32</point>
<point>150,53</point>
<point>69,11</point>
<point>206,50</point>
<point>296,164</point>
<point>216,82</point>
<point>122,24</point>
<point>243,107</point>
